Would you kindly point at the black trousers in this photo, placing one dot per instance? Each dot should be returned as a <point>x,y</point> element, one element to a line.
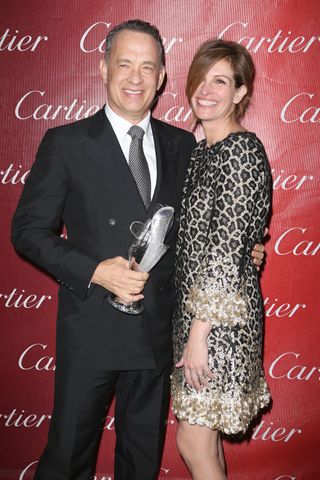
<point>81,398</point>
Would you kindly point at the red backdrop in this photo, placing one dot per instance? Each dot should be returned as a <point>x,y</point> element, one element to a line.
<point>49,72</point>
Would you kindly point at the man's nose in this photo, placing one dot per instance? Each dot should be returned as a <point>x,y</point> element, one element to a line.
<point>135,76</point>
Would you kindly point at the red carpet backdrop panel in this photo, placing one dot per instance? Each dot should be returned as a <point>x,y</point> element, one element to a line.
<point>50,53</point>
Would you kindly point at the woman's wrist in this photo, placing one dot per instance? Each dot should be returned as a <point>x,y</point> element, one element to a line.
<point>200,330</point>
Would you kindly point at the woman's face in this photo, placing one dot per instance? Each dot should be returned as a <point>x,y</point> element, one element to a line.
<point>216,96</point>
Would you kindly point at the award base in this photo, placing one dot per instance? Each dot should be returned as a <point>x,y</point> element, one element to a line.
<point>133,308</point>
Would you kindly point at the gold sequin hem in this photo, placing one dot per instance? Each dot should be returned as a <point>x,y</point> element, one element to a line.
<point>229,413</point>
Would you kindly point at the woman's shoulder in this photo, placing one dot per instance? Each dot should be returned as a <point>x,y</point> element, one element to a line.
<point>200,145</point>
<point>245,145</point>
<point>244,140</point>
<point>243,154</point>
<point>198,150</point>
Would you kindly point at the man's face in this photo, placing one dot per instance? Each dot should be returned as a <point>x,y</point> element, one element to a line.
<point>133,74</point>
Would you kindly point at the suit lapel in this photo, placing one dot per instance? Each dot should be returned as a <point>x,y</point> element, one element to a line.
<point>166,153</point>
<point>105,151</point>
<point>107,158</point>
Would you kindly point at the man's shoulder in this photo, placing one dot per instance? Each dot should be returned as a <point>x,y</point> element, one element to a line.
<point>171,130</point>
<point>80,126</point>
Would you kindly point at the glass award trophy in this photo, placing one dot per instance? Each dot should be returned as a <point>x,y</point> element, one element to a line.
<point>146,251</point>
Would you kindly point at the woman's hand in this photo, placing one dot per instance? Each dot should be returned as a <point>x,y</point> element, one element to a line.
<point>195,356</point>
<point>258,253</point>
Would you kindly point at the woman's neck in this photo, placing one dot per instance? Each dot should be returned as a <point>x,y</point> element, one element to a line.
<point>217,131</point>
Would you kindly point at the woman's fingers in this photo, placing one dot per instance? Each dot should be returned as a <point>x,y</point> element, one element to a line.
<point>180,363</point>
<point>195,380</point>
<point>198,378</point>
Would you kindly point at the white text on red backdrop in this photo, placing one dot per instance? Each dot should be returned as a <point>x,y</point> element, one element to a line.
<point>45,111</point>
<point>31,467</point>
<point>19,418</point>
<point>280,42</point>
<point>281,180</point>
<point>28,106</point>
<point>286,366</point>
<point>270,432</point>
<point>284,181</point>
<point>12,175</point>
<point>11,41</point>
<point>298,109</point>
<point>273,308</point>
<point>18,299</point>
<point>89,45</point>
<point>29,358</point>
<point>286,477</point>
<point>287,243</point>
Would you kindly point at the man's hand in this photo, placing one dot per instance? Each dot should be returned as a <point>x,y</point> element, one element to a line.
<point>258,252</point>
<point>114,275</point>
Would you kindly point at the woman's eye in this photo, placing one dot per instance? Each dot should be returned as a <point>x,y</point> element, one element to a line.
<point>220,80</point>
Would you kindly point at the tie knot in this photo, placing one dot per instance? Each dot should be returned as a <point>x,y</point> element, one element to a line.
<point>136,132</point>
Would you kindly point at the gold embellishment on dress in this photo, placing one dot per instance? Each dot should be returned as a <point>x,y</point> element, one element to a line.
<point>220,308</point>
<point>229,412</point>
<point>214,297</point>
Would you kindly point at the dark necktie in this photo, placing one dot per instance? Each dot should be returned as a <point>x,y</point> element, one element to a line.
<point>138,164</point>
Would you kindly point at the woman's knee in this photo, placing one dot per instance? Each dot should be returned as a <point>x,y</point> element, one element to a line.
<point>195,441</point>
<point>184,441</point>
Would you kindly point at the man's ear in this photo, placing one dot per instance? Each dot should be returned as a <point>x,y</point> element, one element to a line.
<point>162,75</point>
<point>103,70</point>
<point>240,93</point>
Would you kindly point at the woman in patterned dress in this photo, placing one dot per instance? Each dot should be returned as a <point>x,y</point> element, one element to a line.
<point>218,384</point>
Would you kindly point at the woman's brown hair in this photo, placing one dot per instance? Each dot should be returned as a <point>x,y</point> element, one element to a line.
<point>240,60</point>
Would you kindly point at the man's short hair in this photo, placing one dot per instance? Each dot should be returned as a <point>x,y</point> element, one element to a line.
<point>135,26</point>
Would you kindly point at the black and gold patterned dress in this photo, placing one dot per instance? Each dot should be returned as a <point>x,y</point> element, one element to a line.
<point>225,207</point>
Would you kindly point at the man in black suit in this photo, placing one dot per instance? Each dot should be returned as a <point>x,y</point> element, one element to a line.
<point>81,177</point>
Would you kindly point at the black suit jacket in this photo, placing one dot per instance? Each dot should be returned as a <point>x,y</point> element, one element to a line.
<point>81,178</point>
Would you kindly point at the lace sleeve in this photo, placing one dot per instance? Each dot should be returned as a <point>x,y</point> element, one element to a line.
<point>238,218</point>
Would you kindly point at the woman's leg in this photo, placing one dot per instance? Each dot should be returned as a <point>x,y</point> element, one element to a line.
<point>199,447</point>
<point>221,454</point>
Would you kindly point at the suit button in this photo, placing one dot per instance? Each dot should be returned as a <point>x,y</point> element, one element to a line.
<point>112,222</point>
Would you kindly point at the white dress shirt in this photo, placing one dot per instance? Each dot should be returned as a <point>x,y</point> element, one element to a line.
<point>121,128</point>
